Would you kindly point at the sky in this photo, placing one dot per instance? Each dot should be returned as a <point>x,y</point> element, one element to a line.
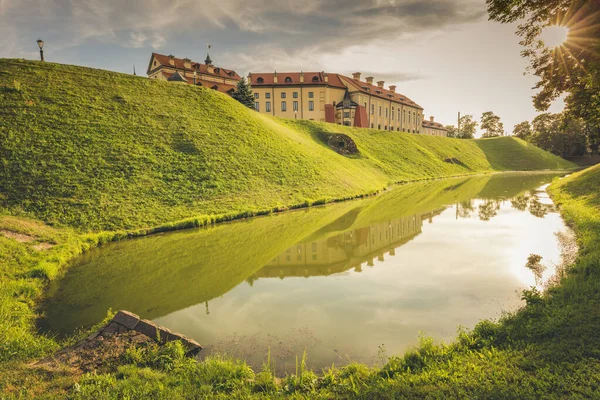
<point>443,54</point>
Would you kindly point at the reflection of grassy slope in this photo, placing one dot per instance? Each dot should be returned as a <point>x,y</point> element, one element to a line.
<point>512,185</point>
<point>160,274</point>
<point>101,150</point>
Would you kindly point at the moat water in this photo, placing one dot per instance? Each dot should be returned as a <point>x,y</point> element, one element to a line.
<point>355,281</point>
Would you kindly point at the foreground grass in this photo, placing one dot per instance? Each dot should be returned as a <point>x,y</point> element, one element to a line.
<point>548,349</point>
<point>100,156</point>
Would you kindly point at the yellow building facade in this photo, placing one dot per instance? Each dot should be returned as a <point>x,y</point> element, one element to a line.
<point>339,99</point>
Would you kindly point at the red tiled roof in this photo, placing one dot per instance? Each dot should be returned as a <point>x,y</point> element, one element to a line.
<point>201,68</point>
<point>310,78</point>
<point>380,92</point>
<point>221,87</point>
<point>434,125</point>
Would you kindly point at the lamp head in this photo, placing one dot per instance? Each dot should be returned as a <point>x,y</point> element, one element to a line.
<point>40,43</point>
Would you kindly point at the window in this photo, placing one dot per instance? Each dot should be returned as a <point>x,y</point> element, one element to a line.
<point>260,80</point>
<point>371,126</point>
<point>295,95</point>
<point>393,114</point>
<point>380,111</point>
<point>283,95</point>
<point>346,114</point>
<point>386,112</point>
<point>372,109</point>
<point>288,79</point>
<point>404,115</point>
<point>311,95</point>
<point>378,126</point>
<point>347,123</point>
<point>283,106</point>
<point>311,106</point>
<point>365,104</point>
<point>267,95</point>
<point>334,103</point>
<point>314,247</point>
<point>409,118</point>
<point>256,96</point>
<point>295,105</point>
<point>268,106</point>
<point>315,79</point>
<point>257,106</point>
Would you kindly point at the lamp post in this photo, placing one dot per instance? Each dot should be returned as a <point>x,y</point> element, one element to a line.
<point>195,78</point>
<point>40,43</point>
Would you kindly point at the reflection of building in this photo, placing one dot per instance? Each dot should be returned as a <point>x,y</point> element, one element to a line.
<point>347,250</point>
<point>185,70</point>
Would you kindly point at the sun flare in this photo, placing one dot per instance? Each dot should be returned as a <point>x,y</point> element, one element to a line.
<point>554,36</point>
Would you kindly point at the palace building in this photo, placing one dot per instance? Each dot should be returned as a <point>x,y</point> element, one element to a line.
<point>173,69</point>
<point>336,98</point>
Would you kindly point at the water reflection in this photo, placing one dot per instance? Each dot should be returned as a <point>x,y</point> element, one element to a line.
<point>338,281</point>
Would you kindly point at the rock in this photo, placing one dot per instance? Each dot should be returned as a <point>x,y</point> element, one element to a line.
<point>339,142</point>
<point>127,319</point>
<point>147,328</point>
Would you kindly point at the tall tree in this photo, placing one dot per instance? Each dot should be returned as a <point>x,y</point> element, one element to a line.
<point>243,94</point>
<point>522,130</point>
<point>491,124</point>
<point>567,66</point>
<point>468,127</point>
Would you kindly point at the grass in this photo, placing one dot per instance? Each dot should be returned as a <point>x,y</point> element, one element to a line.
<point>100,156</point>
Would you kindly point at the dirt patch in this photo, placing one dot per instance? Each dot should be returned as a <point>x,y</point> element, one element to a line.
<point>43,246</point>
<point>19,237</point>
<point>92,354</point>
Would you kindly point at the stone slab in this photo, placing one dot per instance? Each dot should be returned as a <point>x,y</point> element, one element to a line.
<point>147,328</point>
<point>128,319</point>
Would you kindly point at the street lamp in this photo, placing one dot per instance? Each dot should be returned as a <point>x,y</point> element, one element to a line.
<point>40,43</point>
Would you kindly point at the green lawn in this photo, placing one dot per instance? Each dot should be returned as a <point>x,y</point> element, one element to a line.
<point>89,156</point>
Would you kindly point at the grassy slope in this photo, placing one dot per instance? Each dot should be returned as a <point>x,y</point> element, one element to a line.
<point>87,150</point>
<point>100,150</point>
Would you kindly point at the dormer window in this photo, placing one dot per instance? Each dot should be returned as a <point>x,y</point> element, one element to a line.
<point>260,80</point>
<point>288,79</point>
<point>315,79</point>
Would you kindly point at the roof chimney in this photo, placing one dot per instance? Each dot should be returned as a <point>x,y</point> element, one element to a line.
<point>356,76</point>
<point>380,84</point>
<point>275,77</point>
<point>369,80</point>
<point>301,77</point>
<point>431,118</point>
<point>325,77</point>
<point>187,63</point>
<point>171,59</point>
<point>393,88</point>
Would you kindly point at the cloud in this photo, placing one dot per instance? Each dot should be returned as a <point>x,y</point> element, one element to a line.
<point>137,40</point>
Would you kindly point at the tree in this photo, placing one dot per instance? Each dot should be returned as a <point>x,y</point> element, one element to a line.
<point>452,131</point>
<point>560,134</point>
<point>523,130</point>
<point>491,124</point>
<point>243,94</point>
<point>566,66</point>
<point>468,127</point>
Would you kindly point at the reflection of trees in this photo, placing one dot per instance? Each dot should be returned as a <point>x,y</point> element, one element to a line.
<point>489,209</point>
<point>520,202</point>
<point>464,209</point>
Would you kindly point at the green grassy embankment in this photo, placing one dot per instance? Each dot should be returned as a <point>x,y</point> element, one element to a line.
<point>99,156</point>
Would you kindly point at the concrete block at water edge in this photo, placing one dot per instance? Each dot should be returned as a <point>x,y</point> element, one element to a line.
<point>147,328</point>
<point>128,319</point>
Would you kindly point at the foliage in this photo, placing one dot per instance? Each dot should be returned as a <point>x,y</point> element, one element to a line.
<point>559,134</point>
<point>491,124</point>
<point>568,66</point>
<point>468,127</point>
<point>522,130</point>
<point>243,94</point>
